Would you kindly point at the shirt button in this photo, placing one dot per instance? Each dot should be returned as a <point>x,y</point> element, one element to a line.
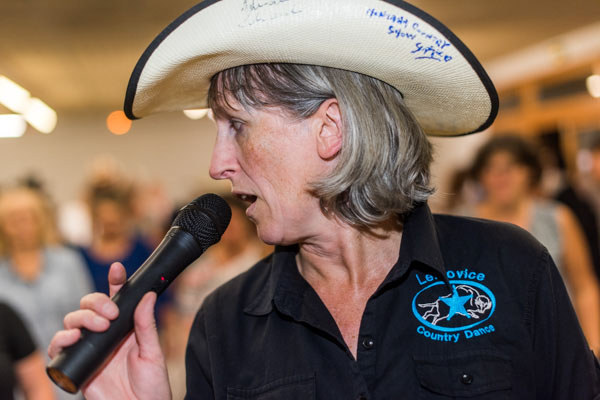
<point>466,379</point>
<point>368,343</point>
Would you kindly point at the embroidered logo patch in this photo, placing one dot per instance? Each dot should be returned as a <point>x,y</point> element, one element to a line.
<point>449,314</point>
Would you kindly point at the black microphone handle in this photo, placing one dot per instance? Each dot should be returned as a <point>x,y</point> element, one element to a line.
<point>77,363</point>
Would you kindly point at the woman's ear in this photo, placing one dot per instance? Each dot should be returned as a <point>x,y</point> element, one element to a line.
<point>329,135</point>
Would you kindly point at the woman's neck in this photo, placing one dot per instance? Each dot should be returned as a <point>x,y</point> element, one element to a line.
<point>517,212</point>
<point>345,266</point>
<point>349,257</point>
<point>27,263</point>
<point>110,249</point>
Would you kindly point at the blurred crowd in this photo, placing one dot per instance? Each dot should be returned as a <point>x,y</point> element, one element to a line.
<point>52,254</point>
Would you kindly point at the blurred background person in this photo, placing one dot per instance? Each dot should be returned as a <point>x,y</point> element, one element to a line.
<point>22,366</point>
<point>462,193</point>
<point>590,179</point>
<point>558,184</point>
<point>74,219</point>
<point>509,172</point>
<point>152,209</point>
<point>115,236</point>
<point>41,279</point>
<point>238,249</point>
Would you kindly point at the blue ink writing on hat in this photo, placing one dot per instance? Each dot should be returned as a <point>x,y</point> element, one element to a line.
<point>429,46</point>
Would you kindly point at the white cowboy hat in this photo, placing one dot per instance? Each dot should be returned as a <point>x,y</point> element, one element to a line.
<point>442,82</point>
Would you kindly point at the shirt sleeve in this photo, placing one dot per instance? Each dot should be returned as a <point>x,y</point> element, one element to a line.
<point>197,362</point>
<point>20,342</point>
<point>565,366</point>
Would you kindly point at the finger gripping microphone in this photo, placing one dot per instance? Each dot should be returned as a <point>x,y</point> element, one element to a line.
<point>196,227</point>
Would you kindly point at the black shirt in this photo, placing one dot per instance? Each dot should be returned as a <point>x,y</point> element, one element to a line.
<point>472,309</point>
<point>15,344</point>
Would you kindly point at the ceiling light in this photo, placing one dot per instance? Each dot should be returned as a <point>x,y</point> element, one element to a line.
<point>12,126</point>
<point>196,114</point>
<point>40,116</point>
<point>13,96</point>
<point>593,85</point>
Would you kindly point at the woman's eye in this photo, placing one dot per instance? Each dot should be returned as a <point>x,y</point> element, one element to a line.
<point>236,125</point>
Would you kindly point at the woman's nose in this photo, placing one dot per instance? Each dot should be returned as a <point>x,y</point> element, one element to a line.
<point>223,162</point>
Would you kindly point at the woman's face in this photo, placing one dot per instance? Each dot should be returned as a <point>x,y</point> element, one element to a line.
<point>505,181</point>
<point>111,219</point>
<point>270,160</point>
<point>20,221</point>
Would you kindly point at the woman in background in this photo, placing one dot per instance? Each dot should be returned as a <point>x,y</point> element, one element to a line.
<point>21,365</point>
<point>113,232</point>
<point>114,235</point>
<point>39,278</point>
<point>509,172</point>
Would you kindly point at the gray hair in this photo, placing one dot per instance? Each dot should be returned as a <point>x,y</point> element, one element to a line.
<point>383,165</point>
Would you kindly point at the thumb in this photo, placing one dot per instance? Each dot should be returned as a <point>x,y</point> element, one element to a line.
<point>117,276</point>
<point>146,333</point>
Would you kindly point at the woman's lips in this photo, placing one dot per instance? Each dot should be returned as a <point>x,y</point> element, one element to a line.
<point>247,198</point>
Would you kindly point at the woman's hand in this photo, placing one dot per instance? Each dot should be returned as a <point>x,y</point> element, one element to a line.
<point>136,369</point>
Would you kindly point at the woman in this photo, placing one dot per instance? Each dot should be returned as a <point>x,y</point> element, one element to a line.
<point>367,295</point>
<point>115,236</point>
<point>113,233</point>
<point>21,365</point>
<point>509,172</point>
<point>39,278</point>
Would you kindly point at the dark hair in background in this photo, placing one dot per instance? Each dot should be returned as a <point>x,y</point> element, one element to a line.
<point>117,193</point>
<point>521,151</point>
<point>550,142</point>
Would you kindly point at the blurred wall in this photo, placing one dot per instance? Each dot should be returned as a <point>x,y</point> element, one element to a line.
<point>169,147</point>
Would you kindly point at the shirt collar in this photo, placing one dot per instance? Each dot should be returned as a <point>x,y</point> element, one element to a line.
<point>282,258</point>
<point>420,245</point>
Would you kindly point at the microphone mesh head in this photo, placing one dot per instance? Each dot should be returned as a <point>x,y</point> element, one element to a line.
<point>206,218</point>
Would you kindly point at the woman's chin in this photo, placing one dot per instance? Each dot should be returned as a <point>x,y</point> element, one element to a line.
<point>272,236</point>
<point>269,239</point>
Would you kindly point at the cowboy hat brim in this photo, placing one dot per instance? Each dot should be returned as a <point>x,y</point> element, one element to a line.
<point>442,82</point>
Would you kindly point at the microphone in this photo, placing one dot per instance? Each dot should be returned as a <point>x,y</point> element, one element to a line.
<point>196,227</point>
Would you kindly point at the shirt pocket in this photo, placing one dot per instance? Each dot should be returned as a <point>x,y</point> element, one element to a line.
<point>297,387</point>
<point>477,374</point>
